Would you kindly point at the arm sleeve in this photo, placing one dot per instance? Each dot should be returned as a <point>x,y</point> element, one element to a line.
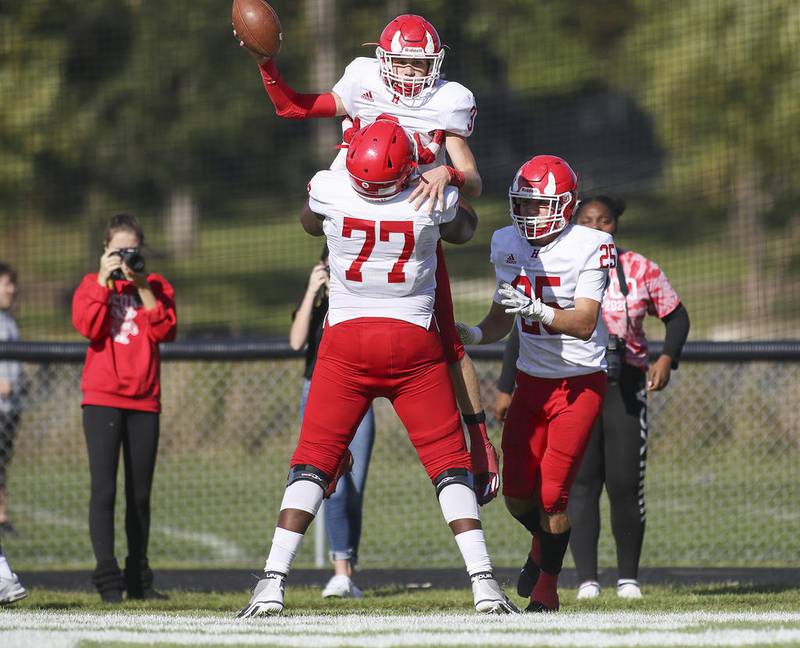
<point>291,104</point>
<point>677,324</point>
<point>461,120</point>
<point>162,317</point>
<point>508,372</point>
<point>90,314</point>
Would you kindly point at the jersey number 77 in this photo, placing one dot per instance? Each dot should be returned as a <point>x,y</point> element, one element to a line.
<point>384,229</point>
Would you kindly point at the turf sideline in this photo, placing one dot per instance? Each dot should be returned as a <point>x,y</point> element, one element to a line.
<point>593,630</point>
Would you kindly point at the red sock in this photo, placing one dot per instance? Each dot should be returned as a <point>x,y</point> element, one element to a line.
<point>546,590</point>
<point>536,550</point>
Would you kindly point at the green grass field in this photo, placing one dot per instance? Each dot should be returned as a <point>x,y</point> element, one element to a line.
<point>208,511</point>
<point>720,615</point>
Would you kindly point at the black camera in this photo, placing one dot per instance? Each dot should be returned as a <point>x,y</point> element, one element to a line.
<point>615,353</point>
<point>132,258</point>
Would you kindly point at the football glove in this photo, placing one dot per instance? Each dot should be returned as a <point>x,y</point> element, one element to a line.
<point>349,128</point>
<point>427,154</point>
<point>469,334</point>
<point>519,303</point>
<point>485,464</point>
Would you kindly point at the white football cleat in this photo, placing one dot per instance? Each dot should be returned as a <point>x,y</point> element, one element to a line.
<point>342,586</point>
<point>267,599</point>
<point>488,596</point>
<point>588,590</point>
<point>628,588</point>
<point>11,590</point>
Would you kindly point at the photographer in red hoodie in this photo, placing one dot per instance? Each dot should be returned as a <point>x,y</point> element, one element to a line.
<point>125,313</point>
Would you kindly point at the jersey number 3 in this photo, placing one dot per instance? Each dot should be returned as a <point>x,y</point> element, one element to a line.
<point>384,230</point>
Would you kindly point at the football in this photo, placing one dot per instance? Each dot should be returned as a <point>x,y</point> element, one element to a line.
<point>256,26</point>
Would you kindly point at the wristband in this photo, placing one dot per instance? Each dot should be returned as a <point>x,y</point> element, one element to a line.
<point>472,419</point>
<point>548,314</point>
<point>477,334</point>
<point>456,177</point>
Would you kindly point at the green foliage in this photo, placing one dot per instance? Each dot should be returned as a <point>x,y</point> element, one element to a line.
<point>720,80</point>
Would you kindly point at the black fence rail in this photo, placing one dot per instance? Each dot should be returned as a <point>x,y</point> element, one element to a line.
<point>278,349</point>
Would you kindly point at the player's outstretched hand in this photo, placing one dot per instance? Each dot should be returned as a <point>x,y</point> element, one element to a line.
<point>259,58</point>
<point>469,334</point>
<point>431,189</point>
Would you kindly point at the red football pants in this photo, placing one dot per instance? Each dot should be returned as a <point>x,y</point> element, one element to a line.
<point>362,359</point>
<point>443,311</point>
<point>547,429</point>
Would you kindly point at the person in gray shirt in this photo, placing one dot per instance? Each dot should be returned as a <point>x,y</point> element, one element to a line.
<point>11,379</point>
<point>10,406</point>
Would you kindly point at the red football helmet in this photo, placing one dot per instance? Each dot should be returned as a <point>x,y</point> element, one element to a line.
<point>410,37</point>
<point>380,159</point>
<point>542,196</point>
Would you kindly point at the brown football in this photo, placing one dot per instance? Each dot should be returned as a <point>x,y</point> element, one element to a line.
<point>256,26</point>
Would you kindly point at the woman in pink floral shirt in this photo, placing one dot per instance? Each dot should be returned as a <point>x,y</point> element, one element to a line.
<point>618,449</point>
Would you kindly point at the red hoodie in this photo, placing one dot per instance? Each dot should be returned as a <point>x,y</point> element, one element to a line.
<point>122,361</point>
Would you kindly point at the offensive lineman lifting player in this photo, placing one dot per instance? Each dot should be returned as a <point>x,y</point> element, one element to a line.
<point>403,80</point>
<point>380,342</point>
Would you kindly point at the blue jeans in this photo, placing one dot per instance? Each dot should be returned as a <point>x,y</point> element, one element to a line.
<point>343,510</point>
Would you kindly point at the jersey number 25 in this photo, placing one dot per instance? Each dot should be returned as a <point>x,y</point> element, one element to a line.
<point>540,281</point>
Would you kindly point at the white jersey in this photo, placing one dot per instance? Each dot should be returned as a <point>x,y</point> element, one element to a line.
<point>575,265</point>
<point>451,106</point>
<point>382,254</point>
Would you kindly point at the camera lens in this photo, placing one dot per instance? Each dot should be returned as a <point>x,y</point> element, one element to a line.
<point>133,259</point>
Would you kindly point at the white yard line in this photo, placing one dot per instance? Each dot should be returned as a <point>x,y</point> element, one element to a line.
<point>592,630</point>
<point>221,548</point>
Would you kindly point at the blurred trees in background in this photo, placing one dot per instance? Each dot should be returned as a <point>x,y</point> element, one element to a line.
<point>691,104</point>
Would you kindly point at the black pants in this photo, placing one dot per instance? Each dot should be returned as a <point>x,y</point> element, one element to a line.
<point>616,457</point>
<point>9,423</point>
<point>107,429</point>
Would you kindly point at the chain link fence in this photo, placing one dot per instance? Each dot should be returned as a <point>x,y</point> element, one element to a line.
<point>723,477</point>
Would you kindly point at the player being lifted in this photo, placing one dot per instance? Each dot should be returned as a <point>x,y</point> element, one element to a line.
<point>380,342</point>
<point>552,275</point>
<point>403,80</point>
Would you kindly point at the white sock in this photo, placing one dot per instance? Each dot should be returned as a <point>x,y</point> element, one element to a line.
<point>5,570</point>
<point>284,548</point>
<point>472,546</point>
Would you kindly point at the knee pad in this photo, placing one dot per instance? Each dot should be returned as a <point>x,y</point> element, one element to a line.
<point>453,476</point>
<point>307,472</point>
<point>457,502</point>
<point>303,495</point>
